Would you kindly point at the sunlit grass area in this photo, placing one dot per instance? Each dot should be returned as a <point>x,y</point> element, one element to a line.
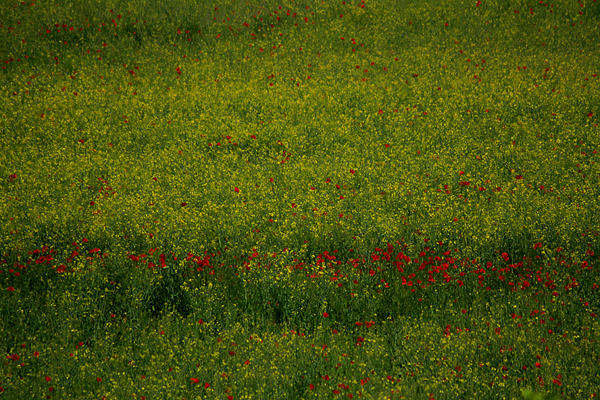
<point>294,200</point>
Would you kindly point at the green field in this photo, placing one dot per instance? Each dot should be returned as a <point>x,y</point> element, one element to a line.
<point>299,199</point>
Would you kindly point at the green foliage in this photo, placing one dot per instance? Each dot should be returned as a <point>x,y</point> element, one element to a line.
<point>531,395</point>
<point>281,200</point>
<point>165,293</point>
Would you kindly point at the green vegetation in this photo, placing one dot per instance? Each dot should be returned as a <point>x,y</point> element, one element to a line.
<point>299,200</point>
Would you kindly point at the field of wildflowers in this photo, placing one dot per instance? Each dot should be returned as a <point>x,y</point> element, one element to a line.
<point>299,199</point>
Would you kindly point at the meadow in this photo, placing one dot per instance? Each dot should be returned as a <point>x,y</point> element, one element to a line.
<point>299,199</point>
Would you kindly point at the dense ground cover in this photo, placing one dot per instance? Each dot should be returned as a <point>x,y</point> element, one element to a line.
<point>293,200</point>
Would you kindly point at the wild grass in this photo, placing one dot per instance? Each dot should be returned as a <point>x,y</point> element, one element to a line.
<point>299,200</point>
